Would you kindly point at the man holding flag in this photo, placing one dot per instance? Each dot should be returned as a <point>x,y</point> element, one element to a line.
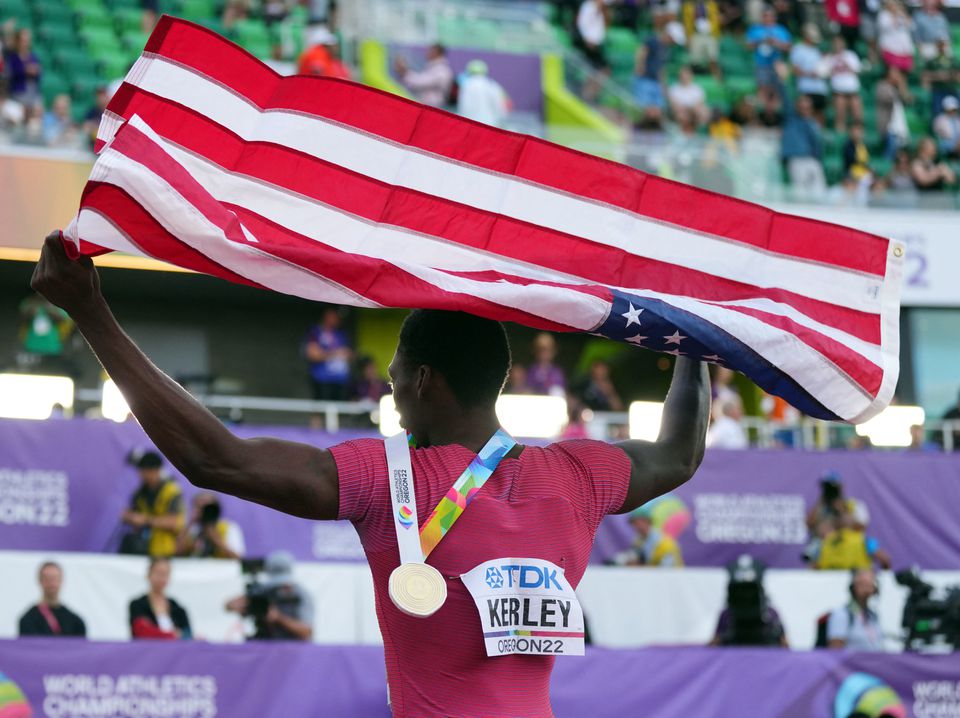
<point>471,627</point>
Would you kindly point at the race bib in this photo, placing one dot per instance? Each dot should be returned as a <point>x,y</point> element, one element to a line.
<point>526,606</point>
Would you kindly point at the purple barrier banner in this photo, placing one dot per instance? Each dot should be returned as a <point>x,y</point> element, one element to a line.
<point>64,484</point>
<point>756,502</point>
<point>61,678</point>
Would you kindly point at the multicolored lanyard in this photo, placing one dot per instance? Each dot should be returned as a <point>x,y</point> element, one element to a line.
<point>464,490</point>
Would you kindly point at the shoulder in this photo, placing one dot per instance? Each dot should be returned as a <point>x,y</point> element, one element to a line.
<point>34,610</point>
<point>171,488</point>
<point>358,451</point>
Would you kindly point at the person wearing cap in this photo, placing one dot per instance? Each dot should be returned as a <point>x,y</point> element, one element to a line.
<point>652,546</point>
<point>481,98</point>
<point>946,126</point>
<point>537,505</point>
<point>289,607</point>
<point>156,511</point>
<point>322,55</point>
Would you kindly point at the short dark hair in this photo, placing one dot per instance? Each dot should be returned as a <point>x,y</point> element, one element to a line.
<point>471,353</point>
<point>49,564</point>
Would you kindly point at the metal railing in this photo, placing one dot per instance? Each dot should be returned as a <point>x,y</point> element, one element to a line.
<point>807,434</point>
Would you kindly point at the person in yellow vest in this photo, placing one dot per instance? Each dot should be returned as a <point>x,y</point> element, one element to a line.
<point>209,534</point>
<point>156,509</point>
<point>652,546</point>
<point>847,547</point>
<point>701,20</point>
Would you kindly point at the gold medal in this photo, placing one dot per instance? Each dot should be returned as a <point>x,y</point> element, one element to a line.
<point>417,589</point>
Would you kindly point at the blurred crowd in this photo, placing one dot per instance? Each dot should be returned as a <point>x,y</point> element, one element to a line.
<point>864,94</point>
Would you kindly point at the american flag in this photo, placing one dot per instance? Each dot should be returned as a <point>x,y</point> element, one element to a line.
<point>337,192</point>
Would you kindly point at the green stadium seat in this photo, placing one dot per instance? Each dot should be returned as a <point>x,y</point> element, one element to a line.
<point>82,89</point>
<point>98,39</point>
<point>740,86</point>
<point>53,84</point>
<point>113,65</point>
<point>93,14</point>
<point>128,19</point>
<point>14,8</point>
<point>714,90</point>
<point>116,5</point>
<point>55,34</point>
<point>254,36</point>
<point>54,10</point>
<point>134,40</point>
<point>170,7</point>
<point>621,39</point>
<point>197,9</point>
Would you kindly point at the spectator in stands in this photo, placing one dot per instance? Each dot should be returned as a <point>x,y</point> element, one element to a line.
<point>769,41</point>
<point>899,181</point>
<point>328,355</point>
<point>891,96</point>
<point>598,392</point>
<point>941,76</point>
<point>91,122</point>
<point>480,97</point>
<point>843,68</point>
<point>22,68</point>
<point>370,386</point>
<point>288,614</point>
<point>44,329</point>
<point>576,427</point>
<point>748,619</point>
<point>930,28</point>
<point>58,126</point>
<point>688,101</point>
<point>233,12</point>
<point>433,83</point>
<point>156,509</point>
<point>652,546</point>
<point>801,147</point>
<point>156,615</point>
<point>946,126</point>
<point>918,440</point>
<point>12,113</point>
<point>544,376</point>
<point>49,617</point>
<point>856,157</point>
<point>929,174</point>
<point>726,431</point>
<point>151,12</point>
<point>847,547</point>
<point>856,626</point>
<point>806,61</point>
<point>517,380</point>
<point>322,56</point>
<point>592,20</point>
<point>953,415</point>
<point>833,503</point>
<point>209,534</point>
<point>894,36</point>
<point>651,59</point>
<point>701,22</point>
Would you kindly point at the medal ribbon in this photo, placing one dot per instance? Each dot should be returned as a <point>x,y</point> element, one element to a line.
<point>451,506</point>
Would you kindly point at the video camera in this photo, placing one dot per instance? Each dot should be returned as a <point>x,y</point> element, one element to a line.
<point>750,623</point>
<point>261,595</point>
<point>931,617</point>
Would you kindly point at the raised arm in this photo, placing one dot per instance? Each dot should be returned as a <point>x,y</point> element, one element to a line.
<point>663,465</point>
<point>294,478</point>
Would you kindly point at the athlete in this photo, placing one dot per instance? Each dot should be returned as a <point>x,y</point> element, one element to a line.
<point>541,505</point>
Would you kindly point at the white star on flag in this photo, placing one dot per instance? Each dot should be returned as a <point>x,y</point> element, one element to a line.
<point>675,338</point>
<point>713,357</point>
<point>632,316</point>
<point>676,353</point>
<point>636,340</point>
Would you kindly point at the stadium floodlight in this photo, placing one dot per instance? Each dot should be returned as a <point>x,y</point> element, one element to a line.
<point>891,427</point>
<point>33,396</point>
<point>112,404</point>
<point>644,418</point>
<point>530,417</point>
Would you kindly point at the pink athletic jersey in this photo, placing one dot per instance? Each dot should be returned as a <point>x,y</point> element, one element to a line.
<point>545,504</point>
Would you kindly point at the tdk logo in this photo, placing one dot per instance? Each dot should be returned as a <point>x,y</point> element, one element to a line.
<point>522,576</point>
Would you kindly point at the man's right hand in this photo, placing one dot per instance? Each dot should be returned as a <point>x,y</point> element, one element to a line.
<point>70,284</point>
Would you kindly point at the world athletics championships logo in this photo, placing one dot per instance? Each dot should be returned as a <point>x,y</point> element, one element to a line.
<point>405,517</point>
<point>13,704</point>
<point>861,694</point>
<point>670,514</point>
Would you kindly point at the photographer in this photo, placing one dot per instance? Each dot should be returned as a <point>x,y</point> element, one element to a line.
<point>826,514</point>
<point>280,608</point>
<point>856,626</point>
<point>155,513</point>
<point>748,619</point>
<point>209,534</point>
<point>848,547</point>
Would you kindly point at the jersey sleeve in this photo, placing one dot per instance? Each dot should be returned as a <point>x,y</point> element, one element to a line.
<point>359,463</point>
<point>838,625</point>
<point>603,473</point>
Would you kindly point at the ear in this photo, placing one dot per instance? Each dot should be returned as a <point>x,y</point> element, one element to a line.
<point>424,377</point>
